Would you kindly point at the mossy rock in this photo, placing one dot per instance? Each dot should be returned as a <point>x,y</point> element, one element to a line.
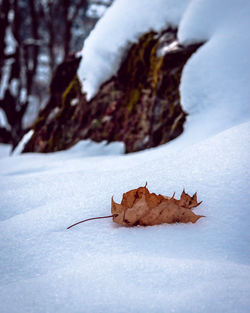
<point>139,106</point>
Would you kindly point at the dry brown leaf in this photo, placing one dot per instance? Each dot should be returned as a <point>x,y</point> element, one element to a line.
<point>140,207</point>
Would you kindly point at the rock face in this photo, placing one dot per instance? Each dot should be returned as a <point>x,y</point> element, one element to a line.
<point>139,106</point>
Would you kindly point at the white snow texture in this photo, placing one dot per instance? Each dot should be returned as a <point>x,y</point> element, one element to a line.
<point>98,266</point>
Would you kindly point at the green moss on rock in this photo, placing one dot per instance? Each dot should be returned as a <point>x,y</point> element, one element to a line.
<point>70,92</point>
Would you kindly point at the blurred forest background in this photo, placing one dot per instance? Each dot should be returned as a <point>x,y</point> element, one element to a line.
<point>36,37</point>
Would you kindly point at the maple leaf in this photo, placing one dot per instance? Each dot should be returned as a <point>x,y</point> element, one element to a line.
<point>140,207</point>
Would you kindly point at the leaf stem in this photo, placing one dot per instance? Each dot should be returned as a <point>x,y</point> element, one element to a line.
<point>93,218</point>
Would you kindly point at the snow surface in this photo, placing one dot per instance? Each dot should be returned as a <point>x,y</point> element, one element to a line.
<point>102,267</point>
<point>5,150</point>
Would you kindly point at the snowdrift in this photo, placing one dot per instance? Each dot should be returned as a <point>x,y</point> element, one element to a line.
<point>101,267</point>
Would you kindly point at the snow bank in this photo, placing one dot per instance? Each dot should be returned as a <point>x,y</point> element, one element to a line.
<point>101,267</point>
<point>122,24</point>
<point>215,81</point>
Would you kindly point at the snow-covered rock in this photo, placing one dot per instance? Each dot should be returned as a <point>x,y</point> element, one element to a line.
<point>215,82</point>
<point>123,23</point>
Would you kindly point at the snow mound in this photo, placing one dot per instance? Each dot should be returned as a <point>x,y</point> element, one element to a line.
<point>102,267</point>
<point>215,82</point>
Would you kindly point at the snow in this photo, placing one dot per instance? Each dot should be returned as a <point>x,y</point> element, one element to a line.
<point>3,120</point>
<point>21,144</point>
<point>11,42</point>
<point>96,10</point>
<point>104,48</point>
<point>101,267</point>
<point>215,81</point>
<point>14,87</point>
<point>5,78</point>
<point>91,148</point>
<point>5,150</point>
<point>35,103</point>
